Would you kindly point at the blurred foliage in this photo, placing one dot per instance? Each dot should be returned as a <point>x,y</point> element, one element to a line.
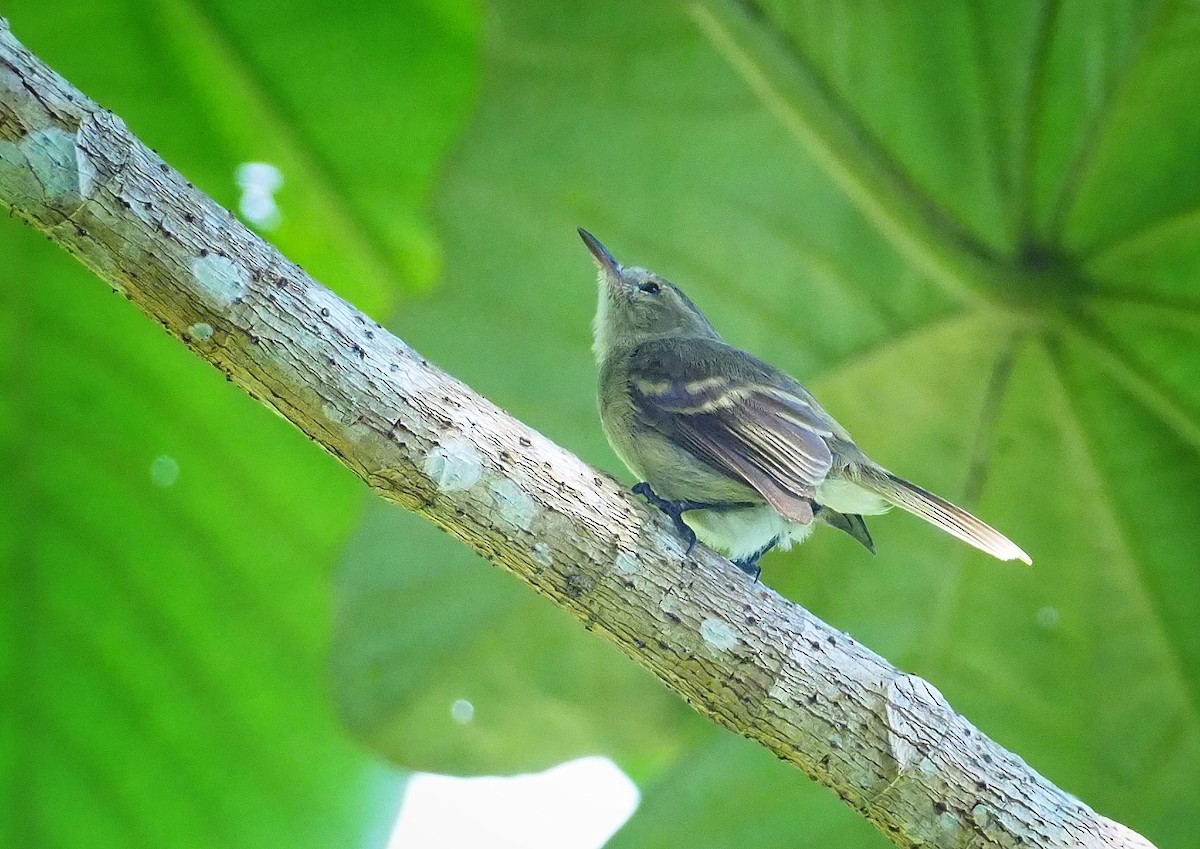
<point>971,228</point>
<point>167,543</point>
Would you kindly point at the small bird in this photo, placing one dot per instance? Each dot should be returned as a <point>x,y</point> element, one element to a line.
<point>735,451</point>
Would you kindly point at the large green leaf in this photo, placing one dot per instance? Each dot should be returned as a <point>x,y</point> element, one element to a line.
<point>424,629</point>
<point>166,541</point>
<point>971,229</point>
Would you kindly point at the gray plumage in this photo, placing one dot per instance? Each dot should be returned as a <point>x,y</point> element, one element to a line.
<point>754,456</point>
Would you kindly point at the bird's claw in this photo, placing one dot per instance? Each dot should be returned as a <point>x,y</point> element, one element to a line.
<point>749,563</point>
<point>674,509</point>
<point>750,566</point>
<point>687,533</point>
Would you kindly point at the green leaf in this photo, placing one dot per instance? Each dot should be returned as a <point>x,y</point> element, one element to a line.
<point>165,542</point>
<point>468,633</point>
<point>164,649</point>
<point>971,228</point>
<point>931,214</point>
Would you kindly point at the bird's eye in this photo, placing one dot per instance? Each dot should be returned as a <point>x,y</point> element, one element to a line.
<point>650,288</point>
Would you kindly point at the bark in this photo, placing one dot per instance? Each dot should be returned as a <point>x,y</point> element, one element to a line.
<point>885,742</point>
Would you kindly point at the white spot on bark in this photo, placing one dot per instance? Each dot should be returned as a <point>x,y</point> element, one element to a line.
<point>87,172</point>
<point>221,279</point>
<point>948,820</point>
<point>717,634</point>
<point>46,166</point>
<point>541,553</point>
<point>626,562</point>
<point>835,741</point>
<point>981,814</point>
<point>164,471</point>
<point>53,159</point>
<point>513,506</point>
<point>908,699</point>
<point>462,711</point>
<point>201,331</point>
<point>454,465</point>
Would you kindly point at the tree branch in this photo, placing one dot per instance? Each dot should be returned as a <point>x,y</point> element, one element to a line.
<point>887,743</point>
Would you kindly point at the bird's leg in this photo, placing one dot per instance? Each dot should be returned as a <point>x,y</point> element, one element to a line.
<point>676,509</point>
<point>749,563</point>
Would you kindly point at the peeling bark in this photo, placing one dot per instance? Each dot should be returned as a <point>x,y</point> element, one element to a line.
<point>886,742</point>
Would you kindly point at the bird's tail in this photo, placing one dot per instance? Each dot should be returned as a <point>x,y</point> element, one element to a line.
<point>939,512</point>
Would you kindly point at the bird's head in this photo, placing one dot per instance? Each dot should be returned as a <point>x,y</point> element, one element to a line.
<point>637,305</point>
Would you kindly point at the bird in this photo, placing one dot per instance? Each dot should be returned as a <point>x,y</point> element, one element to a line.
<point>735,451</point>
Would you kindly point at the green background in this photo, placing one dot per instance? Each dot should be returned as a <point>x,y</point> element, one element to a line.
<point>971,228</point>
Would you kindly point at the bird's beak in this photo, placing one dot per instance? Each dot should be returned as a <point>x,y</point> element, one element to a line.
<point>603,257</point>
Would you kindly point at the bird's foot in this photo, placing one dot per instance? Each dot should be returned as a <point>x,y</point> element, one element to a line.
<point>749,563</point>
<point>674,509</point>
<point>750,566</point>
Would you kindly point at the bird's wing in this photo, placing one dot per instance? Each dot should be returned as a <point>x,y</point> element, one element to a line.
<point>750,422</point>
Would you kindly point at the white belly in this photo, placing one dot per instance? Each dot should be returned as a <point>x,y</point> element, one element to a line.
<point>740,533</point>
